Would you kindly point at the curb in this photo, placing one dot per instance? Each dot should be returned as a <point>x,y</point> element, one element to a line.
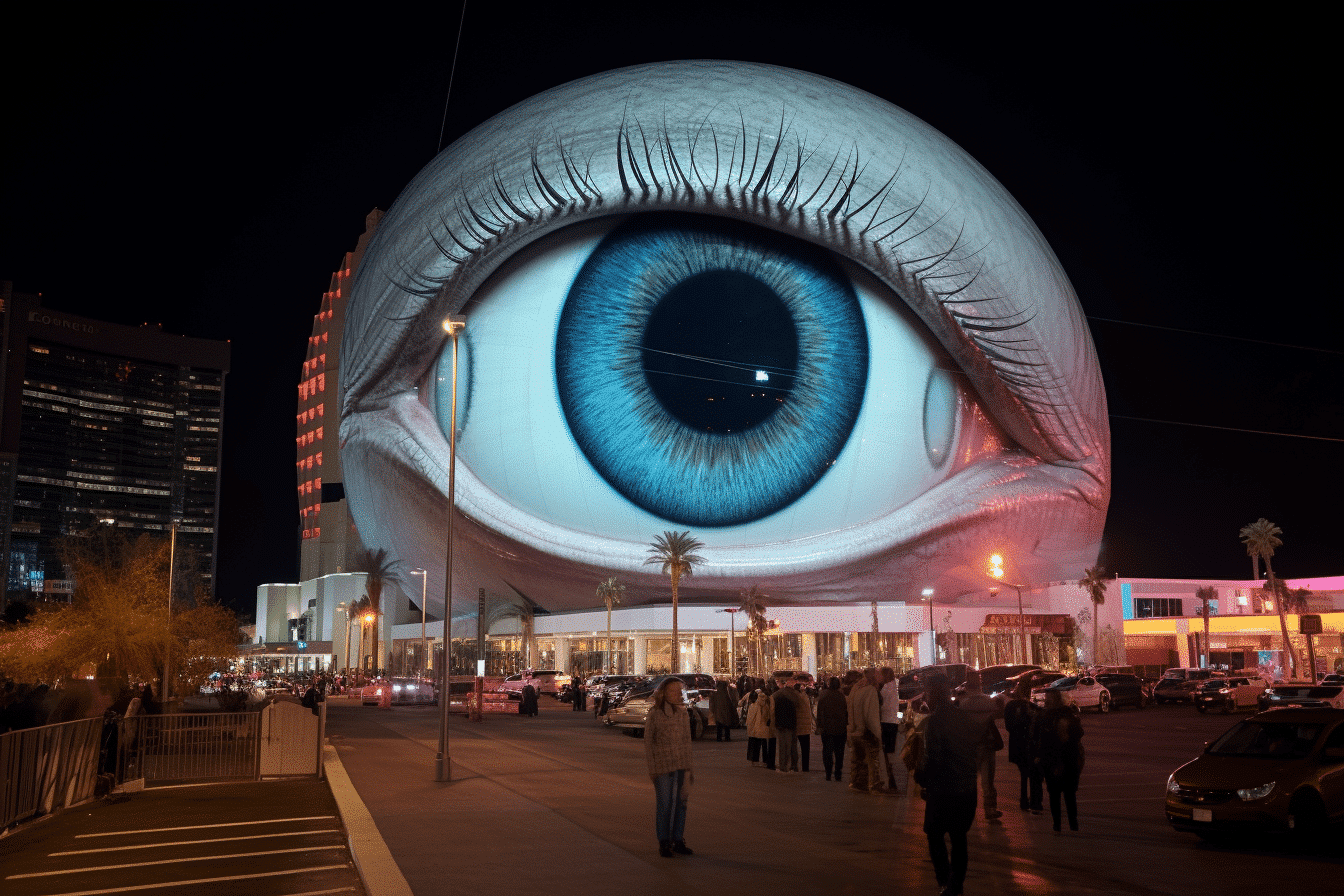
<point>373,860</point>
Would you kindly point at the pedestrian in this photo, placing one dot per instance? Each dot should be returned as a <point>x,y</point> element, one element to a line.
<point>667,747</point>
<point>1057,736</point>
<point>864,735</point>
<point>889,696</point>
<point>580,695</point>
<point>528,705</point>
<point>832,722</point>
<point>1018,715</point>
<point>984,711</point>
<point>948,768</point>
<point>785,711</point>
<point>722,707</point>
<point>806,725</point>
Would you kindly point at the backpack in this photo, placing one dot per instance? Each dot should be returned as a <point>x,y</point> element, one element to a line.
<point>786,714</point>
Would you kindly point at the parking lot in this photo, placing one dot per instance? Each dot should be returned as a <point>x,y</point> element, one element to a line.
<point>538,802</point>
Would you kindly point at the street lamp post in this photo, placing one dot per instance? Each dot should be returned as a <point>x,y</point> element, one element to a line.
<point>732,637</point>
<point>996,571</point>
<point>933,638</point>
<point>424,587</point>
<point>346,607</point>
<point>168,646</point>
<point>443,764</point>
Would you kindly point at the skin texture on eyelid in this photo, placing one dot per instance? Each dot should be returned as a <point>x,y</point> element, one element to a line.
<point>784,150</point>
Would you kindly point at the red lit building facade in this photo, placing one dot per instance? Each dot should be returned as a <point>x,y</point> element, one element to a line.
<point>325,529</point>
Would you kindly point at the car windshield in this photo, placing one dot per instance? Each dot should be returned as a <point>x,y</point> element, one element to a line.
<point>1268,739</point>
<point>1063,683</point>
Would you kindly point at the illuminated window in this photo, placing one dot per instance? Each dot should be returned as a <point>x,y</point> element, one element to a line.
<point>319,432</point>
<point>319,458</point>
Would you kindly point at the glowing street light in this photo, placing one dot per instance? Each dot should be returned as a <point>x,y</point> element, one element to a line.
<point>996,573</point>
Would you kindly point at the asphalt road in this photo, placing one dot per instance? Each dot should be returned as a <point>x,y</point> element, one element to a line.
<point>560,804</point>
<point>274,838</point>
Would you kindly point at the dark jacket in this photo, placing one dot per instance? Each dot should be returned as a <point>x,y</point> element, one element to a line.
<point>949,764</point>
<point>832,713</point>
<point>1056,738</point>
<point>1017,718</point>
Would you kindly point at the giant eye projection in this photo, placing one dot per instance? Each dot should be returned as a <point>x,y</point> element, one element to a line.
<point>742,300</point>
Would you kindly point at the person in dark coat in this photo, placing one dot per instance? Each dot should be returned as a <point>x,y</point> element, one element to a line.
<point>528,705</point>
<point>1057,736</point>
<point>1018,714</point>
<point>723,707</point>
<point>948,771</point>
<point>580,695</point>
<point>832,724</point>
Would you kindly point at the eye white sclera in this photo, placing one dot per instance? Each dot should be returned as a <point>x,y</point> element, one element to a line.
<point>516,441</point>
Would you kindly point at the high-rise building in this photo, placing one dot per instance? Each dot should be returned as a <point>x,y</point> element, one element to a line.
<point>103,424</point>
<point>326,532</point>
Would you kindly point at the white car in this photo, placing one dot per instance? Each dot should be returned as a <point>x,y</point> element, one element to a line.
<point>1081,691</point>
<point>1229,694</point>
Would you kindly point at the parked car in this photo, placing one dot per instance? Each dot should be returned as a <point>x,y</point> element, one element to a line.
<point>1310,695</point>
<point>1126,689</point>
<point>630,712</point>
<point>912,683</point>
<point>1079,691</point>
<point>1281,770</point>
<point>1179,685</point>
<point>404,691</point>
<point>998,681</point>
<point>546,681</point>
<point>1229,694</point>
<point>1036,678</point>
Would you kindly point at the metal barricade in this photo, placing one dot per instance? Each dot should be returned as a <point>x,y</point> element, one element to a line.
<point>191,747</point>
<point>47,768</point>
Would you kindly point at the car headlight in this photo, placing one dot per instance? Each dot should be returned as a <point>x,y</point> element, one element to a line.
<point>1172,787</point>
<point>1224,691</point>
<point>1256,793</point>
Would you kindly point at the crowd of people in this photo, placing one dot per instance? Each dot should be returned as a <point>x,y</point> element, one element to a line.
<point>948,745</point>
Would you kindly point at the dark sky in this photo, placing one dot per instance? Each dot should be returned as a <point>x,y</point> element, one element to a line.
<point>207,167</point>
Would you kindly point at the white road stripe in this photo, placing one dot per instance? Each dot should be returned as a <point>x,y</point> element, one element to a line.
<point>196,827</point>
<point>237,855</point>
<point>80,852</point>
<point>211,880</point>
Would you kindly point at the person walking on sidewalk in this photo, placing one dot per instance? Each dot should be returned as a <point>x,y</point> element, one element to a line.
<point>1057,736</point>
<point>724,709</point>
<point>1018,716</point>
<point>890,698</point>
<point>984,711</point>
<point>865,735</point>
<point>948,768</point>
<point>785,708</point>
<point>667,747</point>
<point>832,723</point>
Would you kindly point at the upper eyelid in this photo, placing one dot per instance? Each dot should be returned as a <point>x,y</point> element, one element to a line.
<point>769,175</point>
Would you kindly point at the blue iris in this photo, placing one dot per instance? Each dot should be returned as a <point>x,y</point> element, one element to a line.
<point>710,371</point>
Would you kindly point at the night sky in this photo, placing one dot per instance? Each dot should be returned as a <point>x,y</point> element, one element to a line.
<point>207,168</point>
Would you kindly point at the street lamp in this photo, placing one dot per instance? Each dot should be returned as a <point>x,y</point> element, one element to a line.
<point>996,572</point>
<point>443,764</point>
<point>168,646</point>
<point>732,637</point>
<point>424,587</point>
<point>933,638</point>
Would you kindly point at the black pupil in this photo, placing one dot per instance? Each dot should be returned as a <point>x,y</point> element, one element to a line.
<point>720,351</point>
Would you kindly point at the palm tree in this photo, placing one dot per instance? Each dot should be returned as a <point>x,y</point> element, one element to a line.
<point>675,552</point>
<point>1261,538</point>
<point>356,612</point>
<point>379,571</point>
<point>753,604</point>
<point>1204,595</point>
<point>609,591</point>
<point>1094,583</point>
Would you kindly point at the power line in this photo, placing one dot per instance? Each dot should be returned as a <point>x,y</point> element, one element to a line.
<point>1130,323</point>
<point>443,126</point>
<point>1257,432</point>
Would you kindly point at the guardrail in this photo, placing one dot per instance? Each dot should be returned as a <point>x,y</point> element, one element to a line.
<point>189,747</point>
<point>47,768</point>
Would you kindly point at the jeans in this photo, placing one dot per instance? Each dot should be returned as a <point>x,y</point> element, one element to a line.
<point>670,818</point>
<point>988,792</point>
<point>755,745</point>
<point>722,732</point>
<point>866,752</point>
<point>950,816</point>
<point>833,753</point>
<point>1067,786</point>
<point>769,751</point>
<point>786,756</point>
<point>804,751</point>
<point>1030,795</point>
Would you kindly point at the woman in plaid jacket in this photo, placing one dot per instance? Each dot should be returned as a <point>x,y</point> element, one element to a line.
<point>667,746</point>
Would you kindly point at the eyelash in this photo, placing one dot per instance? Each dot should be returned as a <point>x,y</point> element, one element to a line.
<point>1016,363</point>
